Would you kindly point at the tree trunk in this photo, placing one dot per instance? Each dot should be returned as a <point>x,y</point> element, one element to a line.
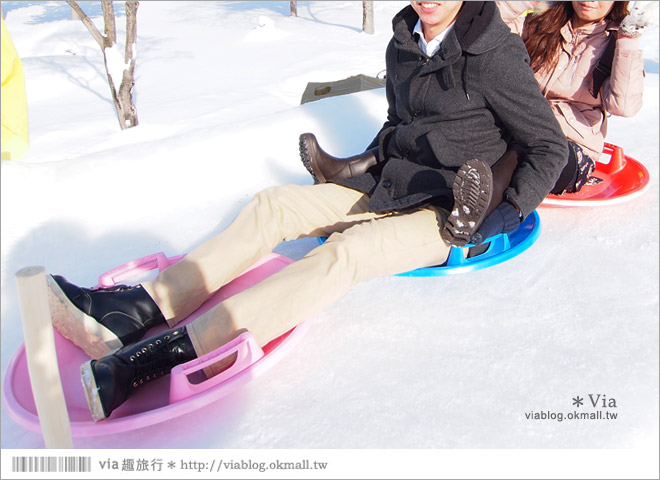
<point>368,17</point>
<point>119,68</point>
<point>127,111</point>
<point>294,8</point>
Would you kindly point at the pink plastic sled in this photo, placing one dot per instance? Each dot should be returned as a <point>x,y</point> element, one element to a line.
<point>624,178</point>
<point>170,396</point>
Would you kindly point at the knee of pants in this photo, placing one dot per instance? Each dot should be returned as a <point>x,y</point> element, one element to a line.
<point>267,196</point>
<point>280,197</point>
<point>270,202</point>
<point>283,209</point>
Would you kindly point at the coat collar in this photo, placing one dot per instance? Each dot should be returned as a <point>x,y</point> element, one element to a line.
<point>478,29</point>
<point>568,33</point>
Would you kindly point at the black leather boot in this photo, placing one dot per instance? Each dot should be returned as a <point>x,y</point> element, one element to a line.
<point>325,168</point>
<point>109,381</point>
<point>101,320</point>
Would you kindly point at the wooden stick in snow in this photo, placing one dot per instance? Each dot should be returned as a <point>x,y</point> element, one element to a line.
<point>42,358</point>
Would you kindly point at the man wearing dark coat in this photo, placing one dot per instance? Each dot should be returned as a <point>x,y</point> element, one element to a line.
<point>468,99</point>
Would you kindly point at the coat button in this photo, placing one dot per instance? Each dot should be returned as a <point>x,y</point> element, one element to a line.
<point>387,184</point>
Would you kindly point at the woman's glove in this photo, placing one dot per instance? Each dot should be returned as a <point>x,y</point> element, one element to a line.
<point>642,15</point>
<point>503,219</point>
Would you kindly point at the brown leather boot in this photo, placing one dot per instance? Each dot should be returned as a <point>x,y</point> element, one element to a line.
<point>324,167</point>
<point>501,173</point>
<point>478,190</point>
<point>472,196</point>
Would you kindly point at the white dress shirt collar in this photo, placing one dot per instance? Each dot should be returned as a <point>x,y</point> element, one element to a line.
<point>430,48</point>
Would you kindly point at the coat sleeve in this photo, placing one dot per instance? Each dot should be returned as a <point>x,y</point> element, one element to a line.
<point>622,93</point>
<point>514,96</point>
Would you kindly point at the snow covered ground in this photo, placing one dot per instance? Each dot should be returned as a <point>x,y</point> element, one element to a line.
<point>399,363</point>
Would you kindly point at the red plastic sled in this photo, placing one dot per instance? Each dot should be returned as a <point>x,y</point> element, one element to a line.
<point>624,178</point>
<point>170,396</point>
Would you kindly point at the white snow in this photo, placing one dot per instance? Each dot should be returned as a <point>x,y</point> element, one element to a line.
<point>116,65</point>
<point>398,363</point>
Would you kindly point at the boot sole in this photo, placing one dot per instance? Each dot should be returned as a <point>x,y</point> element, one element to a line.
<point>472,194</point>
<point>91,391</point>
<point>304,157</point>
<point>81,329</point>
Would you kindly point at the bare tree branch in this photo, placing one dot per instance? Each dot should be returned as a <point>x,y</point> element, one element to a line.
<point>100,39</point>
<point>109,21</point>
<point>131,28</point>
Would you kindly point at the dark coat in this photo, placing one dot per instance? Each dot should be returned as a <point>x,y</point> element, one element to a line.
<point>469,100</point>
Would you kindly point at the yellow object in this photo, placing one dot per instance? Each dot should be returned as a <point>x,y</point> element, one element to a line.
<point>14,137</point>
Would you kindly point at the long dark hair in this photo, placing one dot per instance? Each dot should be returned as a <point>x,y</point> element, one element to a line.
<point>543,37</point>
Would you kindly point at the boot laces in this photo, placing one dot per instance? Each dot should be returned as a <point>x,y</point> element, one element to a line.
<point>152,361</point>
<point>115,288</point>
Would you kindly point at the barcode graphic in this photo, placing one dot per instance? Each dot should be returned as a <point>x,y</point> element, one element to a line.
<point>51,464</point>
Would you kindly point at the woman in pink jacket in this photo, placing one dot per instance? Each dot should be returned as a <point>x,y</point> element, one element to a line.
<point>566,41</point>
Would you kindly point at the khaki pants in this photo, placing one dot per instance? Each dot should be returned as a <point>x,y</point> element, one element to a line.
<point>361,245</point>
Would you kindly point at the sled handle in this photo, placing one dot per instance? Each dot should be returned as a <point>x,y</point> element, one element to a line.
<point>135,267</point>
<point>496,244</point>
<point>617,160</point>
<point>247,352</point>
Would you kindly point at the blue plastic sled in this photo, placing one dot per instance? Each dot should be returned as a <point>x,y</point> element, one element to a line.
<point>502,248</point>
